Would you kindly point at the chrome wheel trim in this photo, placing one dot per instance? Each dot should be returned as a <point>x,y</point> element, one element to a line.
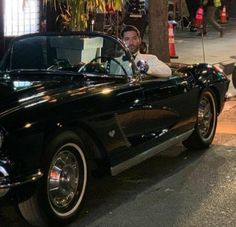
<point>66,183</point>
<point>206,116</point>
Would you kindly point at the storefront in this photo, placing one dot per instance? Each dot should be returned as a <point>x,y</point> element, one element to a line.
<point>18,17</point>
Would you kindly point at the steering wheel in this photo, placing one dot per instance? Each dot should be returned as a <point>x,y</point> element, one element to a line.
<point>94,67</point>
<point>59,64</point>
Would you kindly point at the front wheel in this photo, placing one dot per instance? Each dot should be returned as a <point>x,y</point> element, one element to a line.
<point>205,127</point>
<point>61,192</point>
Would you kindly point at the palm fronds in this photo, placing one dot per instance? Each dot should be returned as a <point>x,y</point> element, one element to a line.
<point>74,13</point>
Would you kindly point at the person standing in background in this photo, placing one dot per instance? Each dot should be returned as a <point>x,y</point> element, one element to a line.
<point>192,6</point>
<point>209,16</point>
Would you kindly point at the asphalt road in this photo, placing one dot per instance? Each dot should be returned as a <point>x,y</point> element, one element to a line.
<point>175,188</point>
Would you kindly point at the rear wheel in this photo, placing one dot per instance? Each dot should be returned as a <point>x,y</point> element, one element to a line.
<point>205,127</point>
<point>62,190</point>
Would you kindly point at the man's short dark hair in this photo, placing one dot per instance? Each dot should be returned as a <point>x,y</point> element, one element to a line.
<point>129,28</point>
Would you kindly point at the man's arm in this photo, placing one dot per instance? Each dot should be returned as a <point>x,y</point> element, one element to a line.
<point>156,66</point>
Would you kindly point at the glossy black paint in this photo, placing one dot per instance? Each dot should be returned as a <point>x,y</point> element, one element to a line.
<point>124,115</point>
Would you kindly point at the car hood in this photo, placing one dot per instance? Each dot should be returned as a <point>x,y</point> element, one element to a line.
<point>18,90</point>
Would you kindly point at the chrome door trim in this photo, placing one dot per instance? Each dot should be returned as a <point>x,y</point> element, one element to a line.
<point>149,153</point>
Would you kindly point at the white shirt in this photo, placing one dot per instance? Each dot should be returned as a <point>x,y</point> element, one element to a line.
<point>156,66</point>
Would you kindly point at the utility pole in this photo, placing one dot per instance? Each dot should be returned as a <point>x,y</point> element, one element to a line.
<point>158,29</point>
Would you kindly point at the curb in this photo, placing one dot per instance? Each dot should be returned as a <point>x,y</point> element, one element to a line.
<point>227,66</point>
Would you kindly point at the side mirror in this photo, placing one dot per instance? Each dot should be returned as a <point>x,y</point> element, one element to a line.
<point>142,66</point>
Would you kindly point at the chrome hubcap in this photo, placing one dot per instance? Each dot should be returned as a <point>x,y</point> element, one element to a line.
<point>63,179</point>
<point>205,117</point>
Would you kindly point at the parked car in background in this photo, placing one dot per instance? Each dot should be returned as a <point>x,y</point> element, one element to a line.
<point>234,76</point>
<point>74,105</point>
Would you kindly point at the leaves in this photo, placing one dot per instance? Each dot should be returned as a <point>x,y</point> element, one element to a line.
<point>74,14</point>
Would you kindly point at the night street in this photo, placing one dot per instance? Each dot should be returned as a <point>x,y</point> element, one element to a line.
<point>73,102</point>
<point>175,188</point>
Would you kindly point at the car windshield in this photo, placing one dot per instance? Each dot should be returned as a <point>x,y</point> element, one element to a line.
<point>99,55</point>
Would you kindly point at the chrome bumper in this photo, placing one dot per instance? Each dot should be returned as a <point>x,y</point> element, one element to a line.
<point>3,174</point>
<point>6,182</point>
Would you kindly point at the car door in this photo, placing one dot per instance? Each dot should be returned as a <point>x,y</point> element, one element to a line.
<point>170,108</point>
<point>119,120</point>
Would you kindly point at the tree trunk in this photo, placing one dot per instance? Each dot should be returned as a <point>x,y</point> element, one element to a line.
<point>158,29</point>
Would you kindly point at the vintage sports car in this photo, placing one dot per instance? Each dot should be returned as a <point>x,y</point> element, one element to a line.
<point>74,106</point>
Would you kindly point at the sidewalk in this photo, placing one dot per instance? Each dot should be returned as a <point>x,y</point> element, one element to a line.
<point>226,126</point>
<point>189,46</point>
<point>221,51</point>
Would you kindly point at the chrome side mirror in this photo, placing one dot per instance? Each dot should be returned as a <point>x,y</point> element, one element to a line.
<point>142,66</point>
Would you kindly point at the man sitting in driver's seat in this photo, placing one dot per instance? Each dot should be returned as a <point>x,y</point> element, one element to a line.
<point>131,37</point>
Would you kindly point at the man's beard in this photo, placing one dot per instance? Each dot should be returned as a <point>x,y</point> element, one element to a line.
<point>133,49</point>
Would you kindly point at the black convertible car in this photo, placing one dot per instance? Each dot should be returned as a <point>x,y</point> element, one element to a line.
<point>74,106</point>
